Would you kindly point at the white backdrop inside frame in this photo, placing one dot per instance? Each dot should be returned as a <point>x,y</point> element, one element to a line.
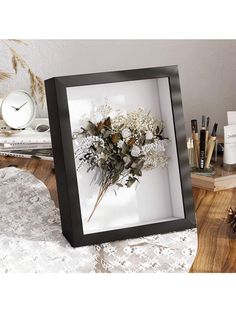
<point>158,196</point>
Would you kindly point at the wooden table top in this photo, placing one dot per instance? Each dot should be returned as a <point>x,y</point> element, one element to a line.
<point>216,241</point>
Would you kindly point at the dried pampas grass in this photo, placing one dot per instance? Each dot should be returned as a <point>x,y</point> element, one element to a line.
<point>4,76</point>
<point>17,60</point>
<point>19,41</point>
<point>36,83</point>
<point>36,86</point>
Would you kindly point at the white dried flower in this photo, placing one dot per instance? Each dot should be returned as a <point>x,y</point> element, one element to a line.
<point>100,113</point>
<point>126,133</point>
<point>82,145</point>
<point>75,135</point>
<point>138,121</point>
<point>126,159</point>
<point>155,154</point>
<point>120,143</point>
<point>135,152</point>
<point>102,155</point>
<point>149,135</point>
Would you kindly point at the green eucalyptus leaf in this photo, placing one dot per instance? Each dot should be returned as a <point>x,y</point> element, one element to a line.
<point>120,185</point>
<point>106,133</point>
<point>115,178</point>
<point>125,148</point>
<point>130,181</point>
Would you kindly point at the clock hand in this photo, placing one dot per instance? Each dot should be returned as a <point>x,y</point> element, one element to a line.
<point>22,105</point>
<point>14,108</point>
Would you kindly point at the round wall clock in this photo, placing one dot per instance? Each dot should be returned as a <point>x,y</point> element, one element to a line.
<point>18,109</point>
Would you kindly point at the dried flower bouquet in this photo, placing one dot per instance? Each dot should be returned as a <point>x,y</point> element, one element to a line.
<point>119,146</point>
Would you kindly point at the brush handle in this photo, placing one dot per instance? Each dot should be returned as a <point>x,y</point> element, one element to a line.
<point>202,148</point>
<point>196,148</point>
<point>210,148</point>
<point>206,142</point>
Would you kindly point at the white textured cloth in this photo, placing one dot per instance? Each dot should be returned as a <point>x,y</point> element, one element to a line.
<point>31,238</point>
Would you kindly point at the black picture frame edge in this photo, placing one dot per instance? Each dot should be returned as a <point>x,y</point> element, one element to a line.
<point>70,217</point>
<point>181,146</point>
<point>65,172</point>
<point>116,76</point>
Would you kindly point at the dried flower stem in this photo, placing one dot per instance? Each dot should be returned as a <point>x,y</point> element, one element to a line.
<point>101,193</point>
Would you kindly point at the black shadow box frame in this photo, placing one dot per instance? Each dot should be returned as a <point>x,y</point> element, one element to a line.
<point>67,185</point>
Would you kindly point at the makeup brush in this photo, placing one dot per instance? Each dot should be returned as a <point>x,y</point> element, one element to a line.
<point>211,145</point>
<point>202,143</point>
<point>195,141</point>
<point>207,134</point>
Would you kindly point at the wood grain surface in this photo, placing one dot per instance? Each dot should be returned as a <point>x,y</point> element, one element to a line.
<point>216,241</point>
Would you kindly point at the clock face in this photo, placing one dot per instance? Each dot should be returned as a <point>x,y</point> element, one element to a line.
<point>18,110</point>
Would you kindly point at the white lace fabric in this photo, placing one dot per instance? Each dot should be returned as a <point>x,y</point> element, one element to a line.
<point>31,238</point>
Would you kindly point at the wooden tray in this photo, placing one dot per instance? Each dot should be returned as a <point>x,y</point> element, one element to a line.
<point>222,180</point>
